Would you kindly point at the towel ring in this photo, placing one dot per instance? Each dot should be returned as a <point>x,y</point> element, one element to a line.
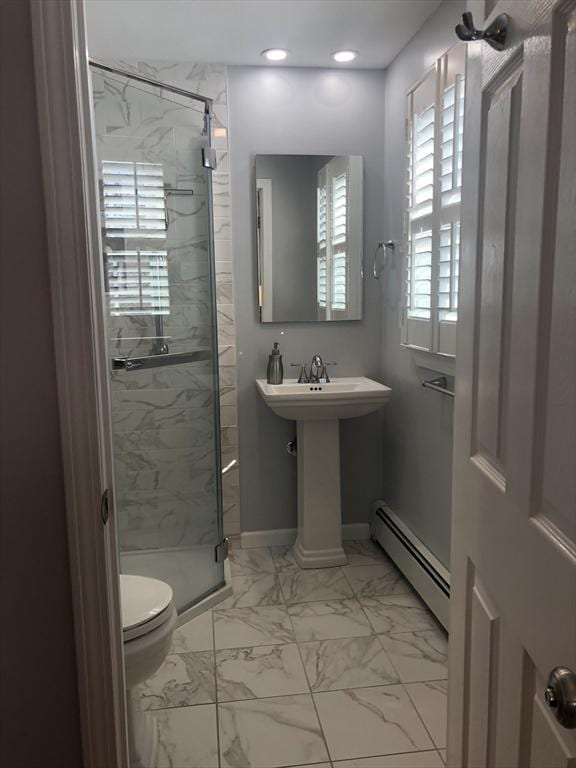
<point>384,245</point>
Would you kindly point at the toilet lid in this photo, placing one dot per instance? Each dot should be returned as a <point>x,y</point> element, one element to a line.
<point>142,599</point>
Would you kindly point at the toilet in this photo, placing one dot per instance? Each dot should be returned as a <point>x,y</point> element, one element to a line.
<point>148,622</point>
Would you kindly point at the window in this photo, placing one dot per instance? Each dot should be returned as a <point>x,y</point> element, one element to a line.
<point>434,134</point>
<point>338,230</point>
<point>135,238</point>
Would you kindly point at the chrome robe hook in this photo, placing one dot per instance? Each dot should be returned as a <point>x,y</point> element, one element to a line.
<point>383,245</point>
<point>495,33</point>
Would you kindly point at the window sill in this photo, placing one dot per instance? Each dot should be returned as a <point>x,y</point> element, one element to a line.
<point>432,361</point>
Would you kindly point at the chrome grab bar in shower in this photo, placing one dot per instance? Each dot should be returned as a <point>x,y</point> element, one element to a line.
<point>159,361</point>
<point>439,385</point>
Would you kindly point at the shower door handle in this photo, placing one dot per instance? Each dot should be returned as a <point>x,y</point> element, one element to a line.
<point>159,361</point>
<point>230,466</point>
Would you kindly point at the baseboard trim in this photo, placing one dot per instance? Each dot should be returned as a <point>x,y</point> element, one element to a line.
<point>416,562</point>
<point>277,537</point>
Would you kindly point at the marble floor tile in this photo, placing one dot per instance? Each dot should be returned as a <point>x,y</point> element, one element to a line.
<point>364,553</point>
<point>244,627</point>
<point>431,701</point>
<point>347,663</point>
<point>187,737</point>
<point>251,562</point>
<point>254,673</point>
<point>268,733</point>
<point>443,755</point>
<point>363,722</point>
<point>397,613</point>
<point>249,591</point>
<point>283,559</point>
<point>328,619</point>
<point>371,580</point>
<point>182,680</point>
<point>196,635</point>
<point>308,586</point>
<point>418,656</point>
<point>428,759</point>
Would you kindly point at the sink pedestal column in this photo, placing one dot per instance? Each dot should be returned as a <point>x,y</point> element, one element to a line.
<point>319,541</point>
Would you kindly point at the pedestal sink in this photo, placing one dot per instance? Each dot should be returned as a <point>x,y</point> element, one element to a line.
<point>317,409</point>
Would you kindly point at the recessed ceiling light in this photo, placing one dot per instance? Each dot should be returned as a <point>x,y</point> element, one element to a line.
<point>344,56</point>
<point>275,54</point>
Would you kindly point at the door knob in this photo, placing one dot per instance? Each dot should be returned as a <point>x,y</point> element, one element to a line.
<point>560,695</point>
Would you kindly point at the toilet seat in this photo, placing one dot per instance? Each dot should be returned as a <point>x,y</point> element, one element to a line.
<point>146,605</point>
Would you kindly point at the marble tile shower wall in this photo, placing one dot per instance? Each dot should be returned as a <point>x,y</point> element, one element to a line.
<point>163,419</point>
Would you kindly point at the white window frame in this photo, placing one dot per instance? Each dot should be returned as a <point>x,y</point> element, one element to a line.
<point>432,336</point>
<point>265,259</point>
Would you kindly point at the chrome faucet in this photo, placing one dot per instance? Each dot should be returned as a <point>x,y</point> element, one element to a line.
<point>316,368</point>
<point>318,371</point>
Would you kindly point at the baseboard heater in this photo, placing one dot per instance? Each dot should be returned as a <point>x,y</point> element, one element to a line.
<point>424,571</point>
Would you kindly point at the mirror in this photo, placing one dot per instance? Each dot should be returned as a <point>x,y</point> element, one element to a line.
<point>309,217</point>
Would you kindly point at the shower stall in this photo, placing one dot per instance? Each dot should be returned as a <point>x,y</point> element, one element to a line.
<point>154,164</point>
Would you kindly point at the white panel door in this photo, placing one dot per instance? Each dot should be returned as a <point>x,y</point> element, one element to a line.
<point>513,614</point>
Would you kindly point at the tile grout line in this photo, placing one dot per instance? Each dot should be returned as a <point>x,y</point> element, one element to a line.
<point>216,702</point>
<point>324,739</point>
<point>423,682</point>
<point>305,693</point>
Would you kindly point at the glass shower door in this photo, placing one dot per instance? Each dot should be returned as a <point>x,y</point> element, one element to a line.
<point>155,195</point>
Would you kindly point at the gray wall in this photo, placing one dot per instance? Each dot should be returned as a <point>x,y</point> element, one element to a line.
<point>280,110</point>
<point>39,725</point>
<point>294,182</point>
<point>417,436</point>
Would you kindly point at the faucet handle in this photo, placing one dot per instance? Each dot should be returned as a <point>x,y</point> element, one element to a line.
<point>303,377</point>
<point>323,377</point>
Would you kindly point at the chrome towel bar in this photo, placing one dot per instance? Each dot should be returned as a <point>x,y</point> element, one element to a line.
<point>159,361</point>
<point>439,385</point>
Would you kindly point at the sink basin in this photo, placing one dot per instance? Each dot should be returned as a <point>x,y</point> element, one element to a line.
<point>343,398</point>
<point>317,409</point>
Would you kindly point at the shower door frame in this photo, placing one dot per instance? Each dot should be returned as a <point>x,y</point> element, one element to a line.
<point>223,590</point>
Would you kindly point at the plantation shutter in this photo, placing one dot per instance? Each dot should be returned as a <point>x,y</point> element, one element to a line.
<point>322,243</point>
<point>434,134</point>
<point>452,135</point>
<point>420,142</point>
<point>134,213</point>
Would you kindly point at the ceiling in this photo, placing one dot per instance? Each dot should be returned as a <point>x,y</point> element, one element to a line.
<point>236,31</point>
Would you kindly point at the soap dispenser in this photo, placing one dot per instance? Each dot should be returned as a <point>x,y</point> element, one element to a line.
<point>275,367</point>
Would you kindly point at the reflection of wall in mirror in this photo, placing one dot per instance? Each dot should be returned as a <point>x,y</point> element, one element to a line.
<point>293,211</point>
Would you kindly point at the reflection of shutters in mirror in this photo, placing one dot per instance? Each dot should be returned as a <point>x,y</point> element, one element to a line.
<point>435,127</point>
<point>339,241</point>
<point>135,238</point>
<point>322,240</point>
<point>333,211</point>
